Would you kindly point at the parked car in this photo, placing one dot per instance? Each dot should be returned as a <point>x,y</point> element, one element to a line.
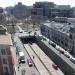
<point>21,57</point>
<point>72,59</point>
<point>29,62</point>
<point>67,54</point>
<point>52,44</point>
<point>55,66</point>
<point>61,50</point>
<point>44,38</point>
<point>21,31</point>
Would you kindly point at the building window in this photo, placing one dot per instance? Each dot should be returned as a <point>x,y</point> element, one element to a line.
<point>3,51</point>
<point>4,61</point>
<point>6,70</point>
<point>61,42</point>
<point>70,36</point>
<point>66,44</point>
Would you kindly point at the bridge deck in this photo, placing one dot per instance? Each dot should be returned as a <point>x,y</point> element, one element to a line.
<point>46,60</point>
<point>42,70</point>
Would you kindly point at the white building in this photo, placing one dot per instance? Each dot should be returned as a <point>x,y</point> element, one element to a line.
<point>61,34</point>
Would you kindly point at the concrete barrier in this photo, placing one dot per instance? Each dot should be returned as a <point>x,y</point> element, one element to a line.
<point>68,70</point>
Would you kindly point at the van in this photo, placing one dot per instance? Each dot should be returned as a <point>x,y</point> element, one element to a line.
<point>21,57</point>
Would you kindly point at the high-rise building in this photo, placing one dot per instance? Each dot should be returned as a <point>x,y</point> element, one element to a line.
<point>6,53</point>
<point>20,11</point>
<point>51,10</point>
<point>73,12</point>
<point>9,10</point>
<point>1,10</point>
<point>42,8</point>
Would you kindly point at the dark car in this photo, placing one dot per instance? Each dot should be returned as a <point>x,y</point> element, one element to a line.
<point>53,44</point>
<point>22,60</point>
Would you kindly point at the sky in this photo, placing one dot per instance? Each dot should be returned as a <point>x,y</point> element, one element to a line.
<point>5,3</point>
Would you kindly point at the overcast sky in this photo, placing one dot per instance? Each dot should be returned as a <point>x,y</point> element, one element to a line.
<point>5,3</point>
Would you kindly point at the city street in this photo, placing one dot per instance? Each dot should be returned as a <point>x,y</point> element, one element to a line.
<point>28,70</point>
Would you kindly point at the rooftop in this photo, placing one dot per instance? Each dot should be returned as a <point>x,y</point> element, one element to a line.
<point>5,39</point>
<point>62,27</point>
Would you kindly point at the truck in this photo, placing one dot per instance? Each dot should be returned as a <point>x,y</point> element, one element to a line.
<point>21,57</point>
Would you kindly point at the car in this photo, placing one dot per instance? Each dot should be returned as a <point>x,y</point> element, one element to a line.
<point>21,31</point>
<point>21,57</point>
<point>29,62</point>
<point>22,60</point>
<point>53,44</point>
<point>61,51</point>
<point>72,59</point>
<point>55,66</point>
<point>67,54</point>
<point>44,38</point>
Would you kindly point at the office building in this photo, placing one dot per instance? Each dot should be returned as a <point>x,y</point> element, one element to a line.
<point>20,11</point>
<point>42,8</point>
<point>52,10</point>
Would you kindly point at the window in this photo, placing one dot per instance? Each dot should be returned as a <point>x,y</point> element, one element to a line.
<point>3,51</point>
<point>62,42</point>
<point>4,61</point>
<point>6,70</point>
<point>70,36</point>
<point>66,44</point>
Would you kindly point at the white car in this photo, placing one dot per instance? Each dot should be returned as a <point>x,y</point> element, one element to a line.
<point>72,59</point>
<point>21,57</point>
<point>67,54</point>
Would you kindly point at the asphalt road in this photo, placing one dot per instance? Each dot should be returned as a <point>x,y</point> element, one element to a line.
<point>28,70</point>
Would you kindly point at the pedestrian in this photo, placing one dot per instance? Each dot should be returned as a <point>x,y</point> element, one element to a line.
<point>33,57</point>
<point>18,68</point>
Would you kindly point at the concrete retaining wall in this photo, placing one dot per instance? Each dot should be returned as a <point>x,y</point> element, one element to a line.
<point>62,65</point>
